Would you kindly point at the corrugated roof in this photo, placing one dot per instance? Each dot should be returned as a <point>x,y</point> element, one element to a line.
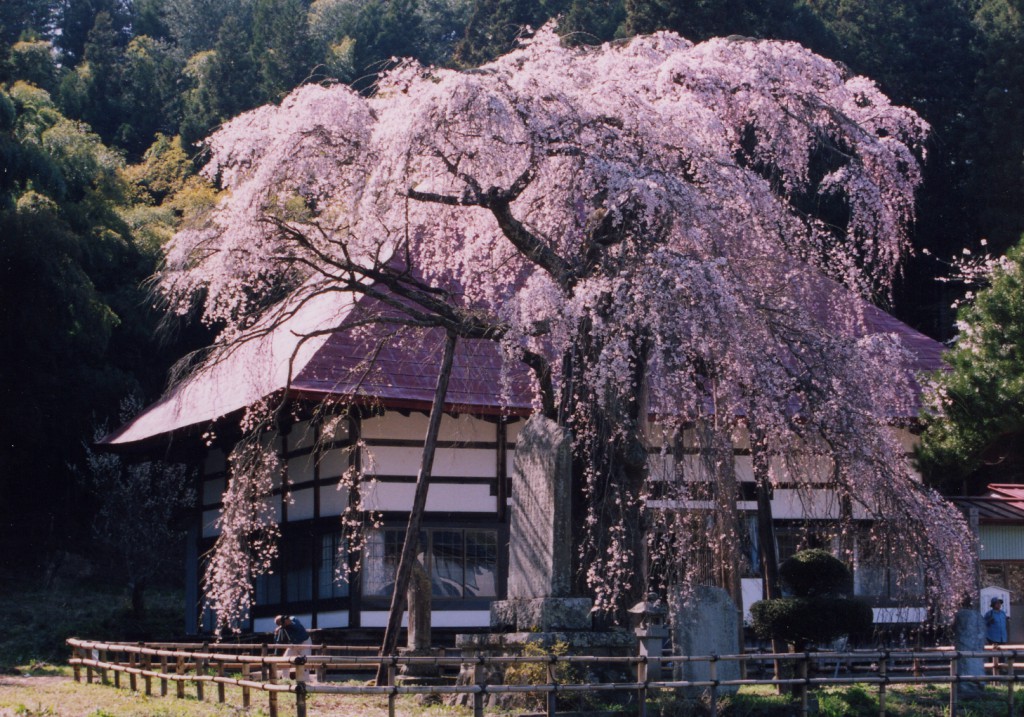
<point>1003,504</point>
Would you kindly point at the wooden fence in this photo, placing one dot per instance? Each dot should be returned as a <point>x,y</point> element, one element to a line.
<point>262,668</point>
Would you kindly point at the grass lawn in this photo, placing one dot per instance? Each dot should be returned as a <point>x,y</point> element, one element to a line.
<point>52,692</point>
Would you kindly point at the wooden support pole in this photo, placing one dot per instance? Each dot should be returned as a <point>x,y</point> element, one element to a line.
<point>163,671</point>
<point>78,654</point>
<point>104,678</point>
<point>220,685</point>
<point>419,503</point>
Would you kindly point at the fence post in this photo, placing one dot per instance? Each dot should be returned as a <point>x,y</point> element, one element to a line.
<point>641,677</point>
<point>179,670</point>
<point>200,673</point>
<point>272,668</point>
<point>883,674</point>
<point>147,665</point>
<point>88,668</point>
<point>953,686</point>
<point>478,680</point>
<point>713,676</point>
<point>1010,683</point>
<point>115,660</point>
<point>263,664</point>
<point>133,682</point>
<point>76,652</point>
<point>300,691</point>
<point>246,676</point>
<point>220,685</point>
<point>805,664</point>
<point>163,671</point>
<point>393,694</point>
<point>104,677</point>
<point>553,692</point>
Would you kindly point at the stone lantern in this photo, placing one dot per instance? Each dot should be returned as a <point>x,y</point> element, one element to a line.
<point>650,625</point>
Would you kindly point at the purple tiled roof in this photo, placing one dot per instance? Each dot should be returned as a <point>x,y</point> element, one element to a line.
<point>398,366</point>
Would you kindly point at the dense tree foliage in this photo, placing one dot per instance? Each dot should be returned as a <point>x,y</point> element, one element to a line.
<point>653,218</point>
<point>979,403</point>
<point>139,83</point>
<point>818,607</point>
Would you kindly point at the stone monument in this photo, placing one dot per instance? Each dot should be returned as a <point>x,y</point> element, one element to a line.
<point>540,608</point>
<point>969,636</point>
<point>540,544</point>
<point>418,602</point>
<point>706,623</point>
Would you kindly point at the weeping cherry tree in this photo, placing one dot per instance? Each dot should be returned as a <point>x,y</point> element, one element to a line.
<point>656,229</point>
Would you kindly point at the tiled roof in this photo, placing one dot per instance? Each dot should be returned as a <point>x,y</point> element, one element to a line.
<point>401,373</point>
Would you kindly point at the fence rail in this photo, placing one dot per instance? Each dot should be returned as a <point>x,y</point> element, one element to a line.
<point>260,668</point>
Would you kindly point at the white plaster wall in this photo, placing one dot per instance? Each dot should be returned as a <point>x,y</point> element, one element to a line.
<point>333,463</point>
<point>413,427</point>
<point>442,497</point>
<point>450,462</point>
<point>438,618</point>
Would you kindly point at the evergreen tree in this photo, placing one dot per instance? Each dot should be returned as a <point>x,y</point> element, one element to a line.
<point>280,46</point>
<point>979,404</point>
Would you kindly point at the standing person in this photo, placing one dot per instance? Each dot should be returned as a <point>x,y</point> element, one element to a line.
<point>995,629</point>
<point>995,623</point>
<point>290,631</point>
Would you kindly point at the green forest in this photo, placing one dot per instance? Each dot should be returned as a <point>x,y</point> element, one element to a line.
<point>104,105</point>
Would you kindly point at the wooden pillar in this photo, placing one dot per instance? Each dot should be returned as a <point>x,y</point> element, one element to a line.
<point>163,671</point>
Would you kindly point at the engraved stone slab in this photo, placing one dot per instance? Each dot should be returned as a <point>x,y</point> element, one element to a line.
<point>540,541</point>
<point>707,623</point>
<point>969,636</point>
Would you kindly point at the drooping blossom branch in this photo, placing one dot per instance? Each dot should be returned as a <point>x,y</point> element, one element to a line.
<point>637,223</point>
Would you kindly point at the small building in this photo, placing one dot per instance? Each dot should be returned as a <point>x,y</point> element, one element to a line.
<point>998,519</point>
<point>354,402</point>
